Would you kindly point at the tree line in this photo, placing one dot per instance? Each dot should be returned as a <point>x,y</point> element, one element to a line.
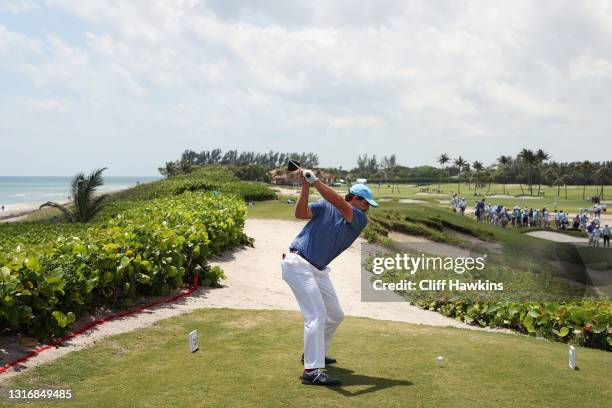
<point>529,168</point>
<point>256,162</point>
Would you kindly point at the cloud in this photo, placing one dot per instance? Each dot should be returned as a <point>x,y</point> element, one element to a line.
<point>48,105</point>
<point>410,78</point>
<point>13,44</point>
<point>18,6</point>
<point>588,67</point>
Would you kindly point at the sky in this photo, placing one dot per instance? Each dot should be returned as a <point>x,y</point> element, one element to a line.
<point>130,84</point>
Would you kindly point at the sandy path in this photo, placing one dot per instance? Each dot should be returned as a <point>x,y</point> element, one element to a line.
<point>254,282</point>
<point>412,201</point>
<point>292,192</point>
<point>557,237</point>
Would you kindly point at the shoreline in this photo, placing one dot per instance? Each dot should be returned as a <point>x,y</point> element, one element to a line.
<point>18,211</point>
<point>18,215</point>
<point>25,209</point>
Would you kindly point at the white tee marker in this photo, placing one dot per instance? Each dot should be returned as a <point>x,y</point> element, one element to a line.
<point>193,341</point>
<point>572,357</point>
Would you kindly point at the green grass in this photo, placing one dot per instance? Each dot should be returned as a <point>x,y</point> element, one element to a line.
<point>251,358</point>
<point>279,209</point>
<point>550,200</point>
<point>573,192</point>
<point>272,209</point>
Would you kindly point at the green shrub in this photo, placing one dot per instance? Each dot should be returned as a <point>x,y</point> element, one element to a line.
<point>209,178</point>
<point>253,172</point>
<point>28,234</point>
<point>584,323</point>
<point>147,250</point>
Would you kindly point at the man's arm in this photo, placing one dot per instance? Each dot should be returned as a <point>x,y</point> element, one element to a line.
<point>335,199</point>
<point>302,211</point>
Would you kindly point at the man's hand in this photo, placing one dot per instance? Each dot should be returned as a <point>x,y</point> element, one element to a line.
<point>306,176</point>
<point>309,176</point>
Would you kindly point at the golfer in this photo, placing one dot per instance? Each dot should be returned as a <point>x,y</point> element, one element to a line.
<point>335,222</point>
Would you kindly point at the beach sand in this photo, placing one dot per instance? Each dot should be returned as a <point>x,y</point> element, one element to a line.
<point>19,212</point>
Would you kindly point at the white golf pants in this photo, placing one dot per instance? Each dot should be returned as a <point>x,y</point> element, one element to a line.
<point>319,305</point>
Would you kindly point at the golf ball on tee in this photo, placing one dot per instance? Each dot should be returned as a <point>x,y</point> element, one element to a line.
<point>440,359</point>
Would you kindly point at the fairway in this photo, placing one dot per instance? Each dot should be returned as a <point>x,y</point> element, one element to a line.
<point>251,358</point>
<point>552,198</point>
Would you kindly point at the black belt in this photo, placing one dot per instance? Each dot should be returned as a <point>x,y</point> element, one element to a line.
<point>295,251</point>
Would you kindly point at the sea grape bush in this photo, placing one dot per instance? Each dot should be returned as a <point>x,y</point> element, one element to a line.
<point>210,178</point>
<point>581,322</point>
<point>28,234</point>
<point>147,250</point>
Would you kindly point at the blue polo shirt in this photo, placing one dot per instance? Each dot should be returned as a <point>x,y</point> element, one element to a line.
<point>328,234</point>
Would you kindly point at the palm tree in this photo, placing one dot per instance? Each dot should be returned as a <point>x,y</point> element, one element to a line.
<point>504,162</point>
<point>477,166</point>
<point>387,165</point>
<point>185,166</point>
<point>565,180</point>
<point>603,173</point>
<point>467,171</point>
<point>540,157</point>
<point>529,159</point>
<point>488,174</point>
<point>443,159</point>
<point>551,176</point>
<point>169,169</point>
<point>585,172</point>
<point>86,205</point>
<point>460,163</point>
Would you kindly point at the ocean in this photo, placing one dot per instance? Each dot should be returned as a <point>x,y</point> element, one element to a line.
<point>17,192</point>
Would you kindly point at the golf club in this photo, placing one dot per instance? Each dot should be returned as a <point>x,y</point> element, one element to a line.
<point>294,165</point>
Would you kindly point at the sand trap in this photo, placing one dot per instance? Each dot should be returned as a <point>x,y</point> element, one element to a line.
<point>286,191</point>
<point>510,196</point>
<point>443,201</point>
<point>254,282</point>
<point>383,200</point>
<point>411,201</point>
<point>295,193</point>
<point>426,245</point>
<point>432,194</point>
<point>557,236</point>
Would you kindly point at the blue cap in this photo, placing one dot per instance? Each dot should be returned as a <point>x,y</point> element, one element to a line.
<point>363,191</point>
